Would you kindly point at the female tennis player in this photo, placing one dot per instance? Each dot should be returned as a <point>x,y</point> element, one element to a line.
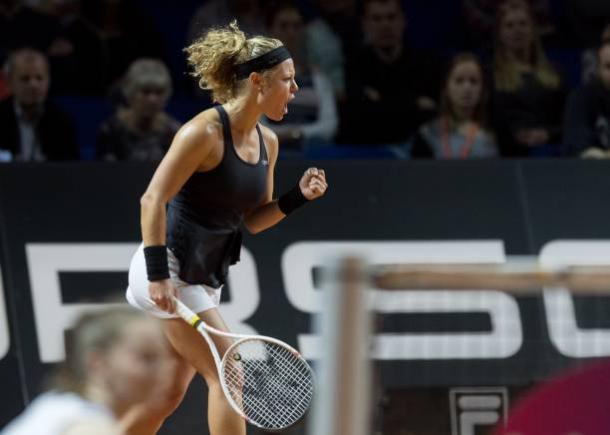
<point>216,176</point>
<point>115,360</point>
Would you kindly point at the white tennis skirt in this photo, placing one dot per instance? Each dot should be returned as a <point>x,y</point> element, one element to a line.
<point>198,298</point>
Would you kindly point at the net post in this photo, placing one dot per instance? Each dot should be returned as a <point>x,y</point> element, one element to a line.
<point>342,403</point>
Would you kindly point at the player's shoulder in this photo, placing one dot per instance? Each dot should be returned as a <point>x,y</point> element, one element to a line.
<point>202,128</point>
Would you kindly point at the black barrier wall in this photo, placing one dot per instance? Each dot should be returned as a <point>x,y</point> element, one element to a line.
<point>67,233</point>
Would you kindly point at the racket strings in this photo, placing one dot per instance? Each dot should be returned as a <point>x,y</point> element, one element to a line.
<point>270,384</point>
<point>266,390</point>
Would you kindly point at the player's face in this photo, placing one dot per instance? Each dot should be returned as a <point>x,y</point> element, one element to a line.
<point>604,65</point>
<point>278,90</point>
<point>29,80</point>
<point>464,85</point>
<point>516,30</point>
<point>137,367</point>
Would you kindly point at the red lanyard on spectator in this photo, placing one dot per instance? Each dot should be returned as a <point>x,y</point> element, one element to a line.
<point>471,134</point>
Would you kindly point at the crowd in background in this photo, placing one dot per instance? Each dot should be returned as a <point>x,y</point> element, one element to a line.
<point>106,79</point>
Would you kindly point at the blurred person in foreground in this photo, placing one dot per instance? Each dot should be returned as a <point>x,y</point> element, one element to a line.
<point>116,361</point>
<point>587,116</point>
<point>34,129</point>
<point>460,131</point>
<point>142,130</point>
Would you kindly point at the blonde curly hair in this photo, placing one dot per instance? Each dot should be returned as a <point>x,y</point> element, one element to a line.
<point>213,57</point>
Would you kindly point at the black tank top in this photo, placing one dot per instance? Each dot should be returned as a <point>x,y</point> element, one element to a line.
<point>204,218</point>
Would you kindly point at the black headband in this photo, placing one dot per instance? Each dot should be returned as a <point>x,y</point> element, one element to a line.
<point>263,62</point>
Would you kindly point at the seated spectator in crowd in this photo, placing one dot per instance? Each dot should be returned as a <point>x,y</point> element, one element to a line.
<point>127,33</point>
<point>390,87</point>
<point>460,131</point>
<point>75,51</point>
<point>586,19</point>
<point>589,57</point>
<point>117,361</point>
<point>142,130</point>
<point>33,128</point>
<point>587,118</point>
<point>528,92</point>
<point>5,92</point>
<point>479,17</point>
<point>23,26</point>
<point>312,116</point>
<point>248,14</point>
<point>57,29</point>
<point>329,36</point>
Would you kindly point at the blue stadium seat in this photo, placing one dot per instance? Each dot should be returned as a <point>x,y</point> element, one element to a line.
<point>569,61</point>
<point>330,152</point>
<point>87,113</point>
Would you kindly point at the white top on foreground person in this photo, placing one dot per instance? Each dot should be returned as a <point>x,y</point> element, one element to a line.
<point>63,413</point>
<point>116,360</point>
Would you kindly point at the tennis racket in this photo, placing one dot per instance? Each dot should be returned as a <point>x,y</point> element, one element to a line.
<point>265,380</point>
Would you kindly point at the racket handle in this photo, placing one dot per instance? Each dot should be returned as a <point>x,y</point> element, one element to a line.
<point>195,321</point>
<point>186,313</point>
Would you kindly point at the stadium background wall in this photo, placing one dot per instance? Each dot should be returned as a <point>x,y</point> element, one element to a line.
<point>57,219</point>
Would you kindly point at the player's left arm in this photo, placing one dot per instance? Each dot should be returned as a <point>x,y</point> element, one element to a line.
<point>312,185</point>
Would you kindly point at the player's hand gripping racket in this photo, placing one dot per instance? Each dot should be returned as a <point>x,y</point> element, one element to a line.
<point>265,380</point>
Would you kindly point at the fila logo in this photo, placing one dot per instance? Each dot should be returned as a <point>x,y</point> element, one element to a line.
<point>477,407</point>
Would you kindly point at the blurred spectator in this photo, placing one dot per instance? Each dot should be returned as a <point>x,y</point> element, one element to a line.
<point>22,26</point>
<point>587,117</point>
<point>390,87</point>
<point>589,57</point>
<point>75,52</point>
<point>528,93</point>
<point>5,92</point>
<point>56,28</point>
<point>587,19</point>
<point>333,33</point>
<point>33,128</point>
<point>126,32</point>
<point>312,115</point>
<point>460,131</point>
<point>142,130</point>
<point>248,14</point>
<point>479,16</point>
